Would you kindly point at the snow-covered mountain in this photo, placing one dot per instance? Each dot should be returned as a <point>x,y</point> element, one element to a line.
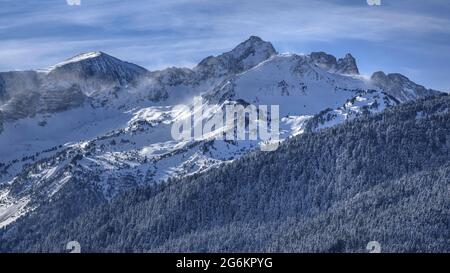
<point>106,124</point>
<point>346,65</point>
<point>400,86</point>
<point>63,86</point>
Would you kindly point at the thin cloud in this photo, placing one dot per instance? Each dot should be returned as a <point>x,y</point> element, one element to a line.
<point>73,2</point>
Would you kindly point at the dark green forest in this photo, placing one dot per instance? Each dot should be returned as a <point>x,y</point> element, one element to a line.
<point>382,178</point>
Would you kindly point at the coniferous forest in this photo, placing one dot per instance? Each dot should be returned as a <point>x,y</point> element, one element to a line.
<point>382,178</point>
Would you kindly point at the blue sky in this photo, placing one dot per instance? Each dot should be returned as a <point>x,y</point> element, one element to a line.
<point>411,37</point>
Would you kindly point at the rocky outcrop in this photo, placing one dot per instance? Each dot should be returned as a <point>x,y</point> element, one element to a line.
<point>324,60</point>
<point>400,87</point>
<point>346,65</point>
<point>243,57</point>
<point>95,65</point>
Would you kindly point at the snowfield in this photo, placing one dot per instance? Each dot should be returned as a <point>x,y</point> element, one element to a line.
<point>119,136</point>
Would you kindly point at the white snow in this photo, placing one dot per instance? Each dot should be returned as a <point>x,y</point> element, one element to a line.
<point>75,59</point>
<point>11,210</point>
<point>122,135</point>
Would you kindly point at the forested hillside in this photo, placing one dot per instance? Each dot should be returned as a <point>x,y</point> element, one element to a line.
<point>383,178</point>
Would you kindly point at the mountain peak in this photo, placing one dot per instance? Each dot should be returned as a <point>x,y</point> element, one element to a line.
<point>348,55</point>
<point>254,43</point>
<point>255,38</point>
<point>244,56</point>
<point>96,64</point>
<point>346,65</point>
<point>81,57</point>
<point>324,60</point>
<point>400,86</point>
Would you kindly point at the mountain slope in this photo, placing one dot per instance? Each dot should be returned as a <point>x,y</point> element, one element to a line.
<point>243,57</point>
<point>96,121</point>
<point>346,65</point>
<point>400,86</point>
<point>292,81</point>
<point>97,65</point>
<point>379,178</point>
<point>64,86</point>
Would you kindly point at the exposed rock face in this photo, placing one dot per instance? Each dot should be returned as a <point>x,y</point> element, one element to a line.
<point>28,104</point>
<point>96,65</point>
<point>175,82</point>
<point>65,85</point>
<point>121,138</point>
<point>324,60</point>
<point>347,65</point>
<point>173,76</point>
<point>51,101</point>
<point>94,72</point>
<point>400,86</point>
<point>244,56</point>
